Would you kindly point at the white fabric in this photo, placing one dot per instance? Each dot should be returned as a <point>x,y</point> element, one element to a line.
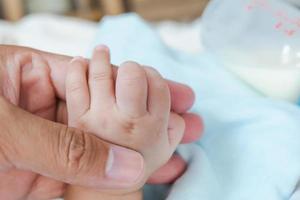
<point>72,36</point>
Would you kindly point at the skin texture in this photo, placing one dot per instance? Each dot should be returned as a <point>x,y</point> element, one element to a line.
<point>131,109</point>
<point>35,81</point>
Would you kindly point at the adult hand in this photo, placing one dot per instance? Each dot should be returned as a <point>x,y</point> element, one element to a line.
<point>40,90</point>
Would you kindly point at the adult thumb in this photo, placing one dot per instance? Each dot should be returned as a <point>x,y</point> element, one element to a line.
<point>66,154</point>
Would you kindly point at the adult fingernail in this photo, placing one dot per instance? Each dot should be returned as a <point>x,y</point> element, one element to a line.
<point>124,167</point>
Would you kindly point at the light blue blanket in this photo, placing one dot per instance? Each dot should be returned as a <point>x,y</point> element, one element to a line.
<point>251,147</point>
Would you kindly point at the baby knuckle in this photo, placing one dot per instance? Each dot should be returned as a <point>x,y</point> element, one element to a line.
<point>131,71</point>
<point>133,78</point>
<point>74,87</point>
<point>159,80</point>
<point>162,85</point>
<point>101,76</point>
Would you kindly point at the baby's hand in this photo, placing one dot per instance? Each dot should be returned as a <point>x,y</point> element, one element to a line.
<point>131,110</point>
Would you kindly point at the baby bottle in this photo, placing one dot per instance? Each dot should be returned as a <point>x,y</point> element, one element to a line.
<point>259,41</point>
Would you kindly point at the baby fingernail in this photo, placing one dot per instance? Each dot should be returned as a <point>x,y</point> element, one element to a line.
<point>102,48</point>
<point>124,166</point>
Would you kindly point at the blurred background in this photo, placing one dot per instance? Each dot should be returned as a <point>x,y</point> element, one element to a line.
<point>249,37</point>
<point>230,54</point>
<point>94,9</point>
<point>70,26</point>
